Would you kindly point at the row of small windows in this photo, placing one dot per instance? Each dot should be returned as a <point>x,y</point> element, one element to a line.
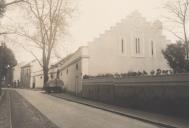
<point>137,46</point>
<point>67,71</point>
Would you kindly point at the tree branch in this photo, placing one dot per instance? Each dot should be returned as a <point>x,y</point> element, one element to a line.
<point>14,2</point>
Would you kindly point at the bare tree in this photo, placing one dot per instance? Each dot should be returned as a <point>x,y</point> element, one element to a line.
<point>179,10</point>
<point>50,18</point>
<point>4,5</point>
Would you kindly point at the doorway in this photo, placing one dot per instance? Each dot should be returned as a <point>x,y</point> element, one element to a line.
<point>76,85</point>
<point>33,84</point>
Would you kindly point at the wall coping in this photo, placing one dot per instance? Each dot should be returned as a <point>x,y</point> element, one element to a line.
<point>139,80</point>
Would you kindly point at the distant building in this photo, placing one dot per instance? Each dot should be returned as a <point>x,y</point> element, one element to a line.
<point>25,76</point>
<point>16,75</point>
<point>29,74</point>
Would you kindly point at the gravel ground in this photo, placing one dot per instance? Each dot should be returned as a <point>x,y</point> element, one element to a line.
<point>16,112</point>
<point>66,114</point>
<point>4,111</point>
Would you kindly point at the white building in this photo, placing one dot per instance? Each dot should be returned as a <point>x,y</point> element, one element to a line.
<point>134,44</point>
<point>31,76</point>
<point>72,68</point>
<point>131,45</point>
<point>36,75</point>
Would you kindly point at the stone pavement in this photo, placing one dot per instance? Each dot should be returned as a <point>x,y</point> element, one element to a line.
<point>67,114</point>
<point>16,112</point>
<point>162,120</point>
<point>4,111</point>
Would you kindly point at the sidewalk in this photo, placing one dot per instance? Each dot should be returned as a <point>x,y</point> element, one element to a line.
<point>162,120</point>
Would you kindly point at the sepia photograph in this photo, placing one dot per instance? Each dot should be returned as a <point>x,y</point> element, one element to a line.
<point>94,63</point>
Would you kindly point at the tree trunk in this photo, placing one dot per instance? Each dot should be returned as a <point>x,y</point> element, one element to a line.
<point>185,39</point>
<point>0,82</point>
<point>46,77</point>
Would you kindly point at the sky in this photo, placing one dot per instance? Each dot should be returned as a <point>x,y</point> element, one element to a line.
<point>90,18</point>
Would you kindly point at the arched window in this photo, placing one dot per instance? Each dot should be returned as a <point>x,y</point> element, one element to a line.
<point>152,48</point>
<point>122,46</point>
<point>137,46</point>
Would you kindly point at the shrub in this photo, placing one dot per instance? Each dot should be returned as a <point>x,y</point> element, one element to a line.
<point>124,75</point>
<point>86,77</point>
<point>144,73</point>
<point>131,73</point>
<point>139,73</point>
<point>165,72</point>
<point>116,75</point>
<point>100,75</point>
<point>171,72</point>
<point>108,75</point>
<point>158,72</point>
<point>152,72</point>
<point>105,75</point>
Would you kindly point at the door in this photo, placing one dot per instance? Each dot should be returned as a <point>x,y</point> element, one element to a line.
<point>76,85</point>
<point>33,84</point>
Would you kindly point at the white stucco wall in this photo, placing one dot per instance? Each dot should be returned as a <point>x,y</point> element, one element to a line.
<point>16,73</point>
<point>105,52</point>
<point>105,55</point>
<point>36,75</point>
<point>37,78</point>
<point>72,74</point>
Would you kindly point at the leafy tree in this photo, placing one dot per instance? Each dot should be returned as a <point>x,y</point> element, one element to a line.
<point>7,61</point>
<point>175,54</point>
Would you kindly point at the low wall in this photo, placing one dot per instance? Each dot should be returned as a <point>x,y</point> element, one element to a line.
<point>165,94</point>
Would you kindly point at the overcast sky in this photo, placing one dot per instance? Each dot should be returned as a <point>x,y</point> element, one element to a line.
<point>91,18</point>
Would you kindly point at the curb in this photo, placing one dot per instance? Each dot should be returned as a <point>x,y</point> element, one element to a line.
<point>118,112</point>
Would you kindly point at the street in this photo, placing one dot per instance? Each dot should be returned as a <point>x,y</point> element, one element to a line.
<point>25,113</point>
<point>16,112</point>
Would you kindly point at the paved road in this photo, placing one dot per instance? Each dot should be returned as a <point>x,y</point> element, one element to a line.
<point>67,114</point>
<point>16,112</point>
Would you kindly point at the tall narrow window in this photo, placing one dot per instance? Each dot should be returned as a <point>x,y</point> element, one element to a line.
<point>152,48</point>
<point>76,66</point>
<point>122,46</point>
<point>137,45</point>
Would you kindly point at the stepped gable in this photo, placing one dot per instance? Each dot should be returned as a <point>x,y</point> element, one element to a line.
<point>134,16</point>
